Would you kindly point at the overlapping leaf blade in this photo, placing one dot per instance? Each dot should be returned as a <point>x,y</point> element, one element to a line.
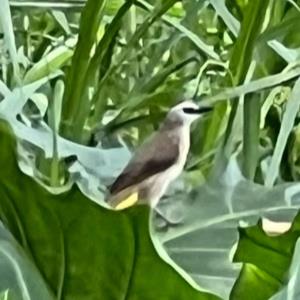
<point>56,233</point>
<point>203,243</point>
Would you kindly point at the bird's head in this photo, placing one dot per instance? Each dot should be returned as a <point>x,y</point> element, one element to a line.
<point>187,112</point>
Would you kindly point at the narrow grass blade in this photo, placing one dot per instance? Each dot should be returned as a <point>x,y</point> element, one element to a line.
<point>157,13</point>
<point>287,124</point>
<point>231,22</point>
<point>54,120</point>
<point>201,45</point>
<point>253,86</point>
<point>238,66</point>
<point>48,64</point>
<point>62,20</point>
<point>89,24</point>
<point>49,4</point>
<point>161,76</point>
<point>9,37</point>
<point>101,60</point>
<point>289,55</point>
<point>280,30</point>
<point>4,90</point>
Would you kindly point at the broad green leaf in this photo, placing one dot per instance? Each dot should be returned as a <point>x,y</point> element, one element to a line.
<point>86,171</point>
<point>216,210</point>
<point>18,275</point>
<point>266,261</point>
<point>134,76</point>
<point>291,288</point>
<point>262,284</point>
<point>82,250</point>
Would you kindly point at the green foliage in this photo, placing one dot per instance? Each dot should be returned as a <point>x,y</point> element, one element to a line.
<point>216,210</point>
<point>105,73</point>
<point>89,24</point>
<point>266,261</point>
<point>55,232</point>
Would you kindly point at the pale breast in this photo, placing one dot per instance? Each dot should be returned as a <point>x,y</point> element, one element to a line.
<point>155,186</point>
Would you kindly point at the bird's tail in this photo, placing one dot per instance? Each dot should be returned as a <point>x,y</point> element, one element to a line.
<point>123,199</point>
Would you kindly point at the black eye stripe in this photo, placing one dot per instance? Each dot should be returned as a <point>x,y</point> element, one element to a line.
<point>197,111</point>
<point>191,111</point>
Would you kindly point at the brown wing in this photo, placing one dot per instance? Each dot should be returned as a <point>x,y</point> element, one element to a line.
<point>156,155</point>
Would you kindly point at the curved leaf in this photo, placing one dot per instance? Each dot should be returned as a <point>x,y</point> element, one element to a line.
<point>18,275</point>
<point>83,250</point>
<point>49,64</point>
<point>291,290</point>
<point>287,124</point>
<point>266,261</point>
<point>201,246</point>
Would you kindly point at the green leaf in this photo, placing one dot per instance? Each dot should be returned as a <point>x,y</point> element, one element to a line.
<point>242,55</point>
<point>18,275</point>
<point>217,209</point>
<point>291,289</point>
<point>6,27</point>
<point>50,63</point>
<point>91,180</point>
<point>83,250</point>
<point>239,64</point>
<point>104,48</point>
<point>266,261</point>
<point>279,31</point>
<point>289,55</point>
<point>47,4</point>
<point>287,124</point>
<point>142,90</point>
<point>254,283</point>
<point>62,20</point>
<point>89,24</point>
<point>14,101</point>
<point>253,86</point>
<point>231,22</point>
<point>200,44</point>
<point>4,295</point>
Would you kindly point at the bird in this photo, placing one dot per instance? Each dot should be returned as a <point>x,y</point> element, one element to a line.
<point>158,161</point>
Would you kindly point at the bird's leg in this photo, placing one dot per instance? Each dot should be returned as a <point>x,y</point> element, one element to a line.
<point>167,221</point>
